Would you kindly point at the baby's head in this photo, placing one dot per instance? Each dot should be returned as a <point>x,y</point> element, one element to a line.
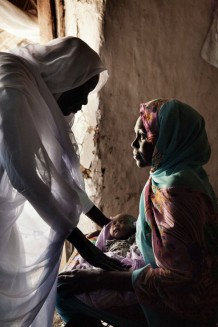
<point>122,226</point>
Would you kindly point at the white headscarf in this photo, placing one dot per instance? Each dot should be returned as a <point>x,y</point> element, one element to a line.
<point>64,63</point>
<point>39,174</point>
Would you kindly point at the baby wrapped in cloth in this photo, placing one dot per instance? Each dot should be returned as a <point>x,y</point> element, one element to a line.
<point>117,240</point>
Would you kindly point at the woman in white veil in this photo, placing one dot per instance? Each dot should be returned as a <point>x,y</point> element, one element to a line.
<point>42,190</point>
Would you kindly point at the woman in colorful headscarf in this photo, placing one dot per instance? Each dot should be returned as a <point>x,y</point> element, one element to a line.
<point>42,189</point>
<point>179,215</point>
<point>177,228</point>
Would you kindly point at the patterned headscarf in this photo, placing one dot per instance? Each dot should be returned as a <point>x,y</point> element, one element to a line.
<point>149,115</point>
<point>177,228</point>
<point>181,144</point>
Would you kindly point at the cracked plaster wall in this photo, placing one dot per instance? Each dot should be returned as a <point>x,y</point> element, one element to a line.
<point>84,19</point>
<point>151,49</point>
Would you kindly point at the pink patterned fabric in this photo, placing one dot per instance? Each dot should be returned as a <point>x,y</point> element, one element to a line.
<point>178,221</point>
<point>184,280</point>
<point>149,113</point>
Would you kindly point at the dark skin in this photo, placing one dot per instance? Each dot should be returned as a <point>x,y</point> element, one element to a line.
<point>86,248</point>
<point>142,148</point>
<point>89,280</point>
<point>71,102</point>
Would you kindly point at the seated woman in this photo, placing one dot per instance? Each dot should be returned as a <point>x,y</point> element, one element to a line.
<point>177,225</point>
<point>117,240</point>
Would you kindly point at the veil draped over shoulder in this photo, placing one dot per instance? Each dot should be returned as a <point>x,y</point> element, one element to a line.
<point>40,176</point>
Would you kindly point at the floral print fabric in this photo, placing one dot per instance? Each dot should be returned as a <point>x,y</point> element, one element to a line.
<point>180,211</point>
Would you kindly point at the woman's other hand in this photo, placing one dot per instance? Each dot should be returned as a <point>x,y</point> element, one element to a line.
<point>80,281</point>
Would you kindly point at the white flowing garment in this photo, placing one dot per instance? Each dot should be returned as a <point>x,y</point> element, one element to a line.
<point>40,179</point>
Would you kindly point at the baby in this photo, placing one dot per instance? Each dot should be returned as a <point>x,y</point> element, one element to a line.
<point>122,235</point>
<point>116,240</point>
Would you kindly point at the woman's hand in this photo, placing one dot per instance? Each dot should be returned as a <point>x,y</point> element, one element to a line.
<point>97,258</point>
<point>91,253</point>
<point>80,281</point>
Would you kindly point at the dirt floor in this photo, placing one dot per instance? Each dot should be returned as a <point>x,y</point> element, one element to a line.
<point>58,322</point>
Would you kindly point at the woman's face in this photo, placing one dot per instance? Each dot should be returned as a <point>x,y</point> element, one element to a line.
<point>72,101</point>
<point>142,148</point>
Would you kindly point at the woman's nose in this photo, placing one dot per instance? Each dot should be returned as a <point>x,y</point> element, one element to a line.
<point>134,144</point>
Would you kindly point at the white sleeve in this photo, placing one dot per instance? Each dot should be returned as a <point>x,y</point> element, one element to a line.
<point>86,203</point>
<point>29,167</point>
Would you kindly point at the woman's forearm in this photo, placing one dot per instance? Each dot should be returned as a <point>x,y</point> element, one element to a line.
<point>91,253</point>
<point>97,216</point>
<point>78,239</point>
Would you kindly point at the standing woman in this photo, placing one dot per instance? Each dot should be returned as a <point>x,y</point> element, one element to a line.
<point>177,228</point>
<point>42,191</point>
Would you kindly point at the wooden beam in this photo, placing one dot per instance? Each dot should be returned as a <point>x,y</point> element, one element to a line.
<point>47,20</point>
<point>60,17</point>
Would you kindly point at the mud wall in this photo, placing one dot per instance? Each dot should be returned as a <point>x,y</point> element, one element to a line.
<point>152,49</point>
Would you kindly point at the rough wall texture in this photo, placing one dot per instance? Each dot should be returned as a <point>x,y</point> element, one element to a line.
<point>84,19</point>
<point>152,49</point>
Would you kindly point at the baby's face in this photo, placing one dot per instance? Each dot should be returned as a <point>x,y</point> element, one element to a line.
<point>122,227</point>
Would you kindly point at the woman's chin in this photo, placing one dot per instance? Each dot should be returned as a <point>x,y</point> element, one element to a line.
<point>140,163</point>
<point>71,110</point>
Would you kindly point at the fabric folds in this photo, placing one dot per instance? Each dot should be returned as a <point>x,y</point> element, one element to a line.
<point>178,219</point>
<point>39,174</point>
